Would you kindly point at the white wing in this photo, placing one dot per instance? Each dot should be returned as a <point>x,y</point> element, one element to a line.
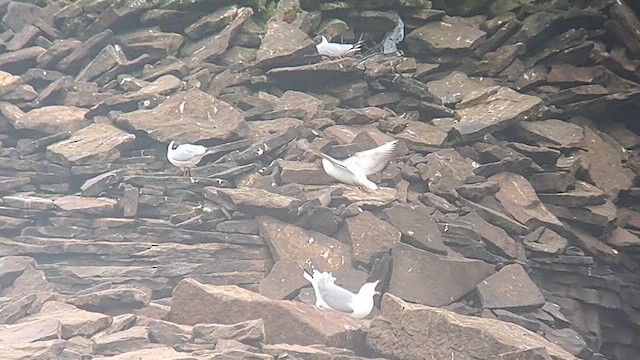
<point>187,152</point>
<point>336,297</point>
<point>334,49</point>
<point>372,160</point>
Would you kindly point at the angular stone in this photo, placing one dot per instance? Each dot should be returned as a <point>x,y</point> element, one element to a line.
<point>440,36</point>
<point>552,182</point>
<point>283,281</point>
<point>111,300</point>
<point>106,60</point>
<point>583,194</point>
<point>51,119</point>
<point>305,173</point>
<point>32,331</point>
<point>387,334</point>
<point>519,198</point>
<point>446,164</point>
<point>416,225</point>
<point>284,45</point>
<point>8,82</point>
<point>20,60</point>
<point>155,44</point>
<point>82,53</point>
<point>250,332</point>
<point>620,237</point>
<point>73,320</point>
<point>569,340</point>
<point>599,215</point>
<point>122,342</point>
<point>362,116</point>
<point>330,71</point>
<point>603,164</point>
<point>417,134</point>
<point>491,109</point>
<point>86,205</point>
<point>549,242</point>
<point>496,236</point>
<point>161,352</point>
<point>444,279</point>
<point>552,133</point>
<point>211,23</point>
<point>204,117</point>
<point>255,201</point>
<point>370,236</point>
<point>593,246</point>
<point>453,88</point>
<point>95,144</point>
<point>510,288</point>
<point>27,201</point>
<point>290,242</point>
<point>284,321</point>
<point>299,100</point>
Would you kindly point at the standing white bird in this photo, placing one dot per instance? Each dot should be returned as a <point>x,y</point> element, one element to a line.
<point>186,156</point>
<point>335,50</point>
<point>355,169</point>
<point>333,297</point>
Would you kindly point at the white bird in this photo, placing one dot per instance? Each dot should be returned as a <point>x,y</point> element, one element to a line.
<point>186,156</point>
<point>333,297</point>
<point>335,50</point>
<point>355,169</point>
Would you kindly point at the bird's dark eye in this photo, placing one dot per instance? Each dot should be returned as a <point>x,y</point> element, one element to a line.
<point>175,146</point>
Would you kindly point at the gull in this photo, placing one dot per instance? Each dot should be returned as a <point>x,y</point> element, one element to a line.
<point>186,156</point>
<point>333,297</point>
<point>355,169</point>
<point>335,50</point>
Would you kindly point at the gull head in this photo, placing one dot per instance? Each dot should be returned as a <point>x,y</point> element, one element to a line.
<point>173,145</point>
<point>320,39</point>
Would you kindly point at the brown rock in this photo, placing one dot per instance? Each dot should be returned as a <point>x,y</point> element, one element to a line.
<point>8,82</point>
<point>122,342</point>
<point>599,215</point>
<point>86,205</point>
<point>487,110</point>
<point>445,170</point>
<point>110,300</point>
<point>362,116</point>
<point>74,321</point>
<point>440,36</point>
<point>95,144</point>
<point>84,52</point>
<point>36,330</point>
<point>284,321</point>
<point>255,201</point>
<point>496,236</point>
<point>290,242</point>
<point>283,45</point>
<point>162,352</point>
<point>549,242</point>
<point>249,332</point>
<point>620,237</point>
<point>387,334</point>
<point>417,134</point>
<point>106,60</point>
<point>284,279</point>
<point>583,194</point>
<point>552,182</point>
<point>305,173</point>
<point>552,133</point>
<point>204,118</point>
<point>51,119</point>
<point>509,288</point>
<point>370,236</point>
<point>416,224</point>
<point>519,198</point>
<point>604,164</point>
<point>425,278</point>
<point>453,88</point>
<point>20,60</point>
<point>299,100</point>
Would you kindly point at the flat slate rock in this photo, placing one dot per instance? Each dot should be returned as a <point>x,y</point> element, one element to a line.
<point>416,224</point>
<point>510,288</point>
<point>198,115</point>
<point>425,278</point>
<point>52,119</point>
<point>97,143</point>
<point>490,109</point>
<point>387,335</point>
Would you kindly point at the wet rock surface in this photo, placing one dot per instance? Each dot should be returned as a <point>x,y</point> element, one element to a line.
<point>508,210</point>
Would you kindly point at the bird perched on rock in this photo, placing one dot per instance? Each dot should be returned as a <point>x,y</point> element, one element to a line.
<point>355,169</point>
<point>333,297</point>
<point>186,156</point>
<point>335,50</point>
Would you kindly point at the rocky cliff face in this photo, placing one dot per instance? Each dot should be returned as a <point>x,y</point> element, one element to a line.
<point>506,225</point>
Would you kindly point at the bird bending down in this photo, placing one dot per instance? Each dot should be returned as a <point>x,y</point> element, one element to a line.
<point>333,297</point>
<point>186,156</point>
<point>355,169</point>
<point>335,50</point>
